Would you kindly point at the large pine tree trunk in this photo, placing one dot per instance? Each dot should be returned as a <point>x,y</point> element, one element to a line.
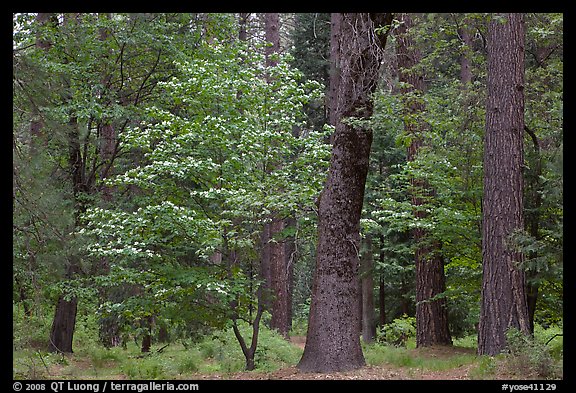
<point>503,286</point>
<point>333,342</point>
<point>431,312</point>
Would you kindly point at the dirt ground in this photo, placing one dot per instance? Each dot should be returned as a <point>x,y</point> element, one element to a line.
<point>365,373</point>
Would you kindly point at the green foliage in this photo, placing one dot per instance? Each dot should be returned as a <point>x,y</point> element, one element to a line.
<point>379,354</point>
<point>528,357</point>
<point>552,338</point>
<point>486,368</point>
<point>217,157</point>
<point>214,170</point>
<point>148,368</point>
<point>211,143</point>
<point>450,162</point>
<point>29,332</point>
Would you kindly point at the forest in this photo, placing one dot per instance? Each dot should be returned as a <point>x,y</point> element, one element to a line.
<point>287,196</point>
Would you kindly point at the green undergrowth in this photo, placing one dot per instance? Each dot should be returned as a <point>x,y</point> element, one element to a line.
<point>540,357</point>
<point>216,353</point>
<point>436,359</point>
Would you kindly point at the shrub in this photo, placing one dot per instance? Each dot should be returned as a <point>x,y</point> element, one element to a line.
<point>101,357</point>
<point>552,338</point>
<point>486,368</point>
<point>189,363</point>
<point>144,369</point>
<point>529,357</point>
<point>398,332</point>
<point>29,332</point>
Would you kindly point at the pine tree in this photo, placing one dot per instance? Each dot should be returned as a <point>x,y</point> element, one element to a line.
<point>503,285</point>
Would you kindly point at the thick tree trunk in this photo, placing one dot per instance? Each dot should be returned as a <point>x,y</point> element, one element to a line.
<point>333,342</point>
<point>431,312</point>
<point>503,286</point>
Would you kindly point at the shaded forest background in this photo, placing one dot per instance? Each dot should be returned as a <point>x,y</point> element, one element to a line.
<point>167,170</point>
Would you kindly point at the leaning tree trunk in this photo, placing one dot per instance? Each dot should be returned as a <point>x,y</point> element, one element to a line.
<point>503,285</point>
<point>333,342</point>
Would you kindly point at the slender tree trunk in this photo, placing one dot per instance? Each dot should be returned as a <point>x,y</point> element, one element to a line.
<point>290,255</point>
<point>147,338</point>
<point>243,26</point>
<point>279,281</point>
<point>465,66</point>
<point>334,79</point>
<point>109,330</point>
<point>63,325</point>
<point>332,342</point>
<point>533,206</point>
<point>431,312</point>
<point>279,272</point>
<point>382,300</point>
<point>503,285</point>
<point>249,352</point>
<point>37,131</point>
<point>367,277</point>
<point>382,260</point>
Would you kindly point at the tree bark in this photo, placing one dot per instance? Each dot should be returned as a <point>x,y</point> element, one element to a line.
<point>367,277</point>
<point>243,26</point>
<point>37,131</point>
<point>431,312</point>
<point>333,342</point>
<point>382,287</point>
<point>503,285</point>
<point>279,272</point>
<point>533,206</point>
<point>109,331</point>
<point>64,322</point>
<point>465,66</point>
<point>63,325</point>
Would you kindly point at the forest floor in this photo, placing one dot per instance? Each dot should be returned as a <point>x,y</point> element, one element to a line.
<point>381,372</point>
<point>434,363</point>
